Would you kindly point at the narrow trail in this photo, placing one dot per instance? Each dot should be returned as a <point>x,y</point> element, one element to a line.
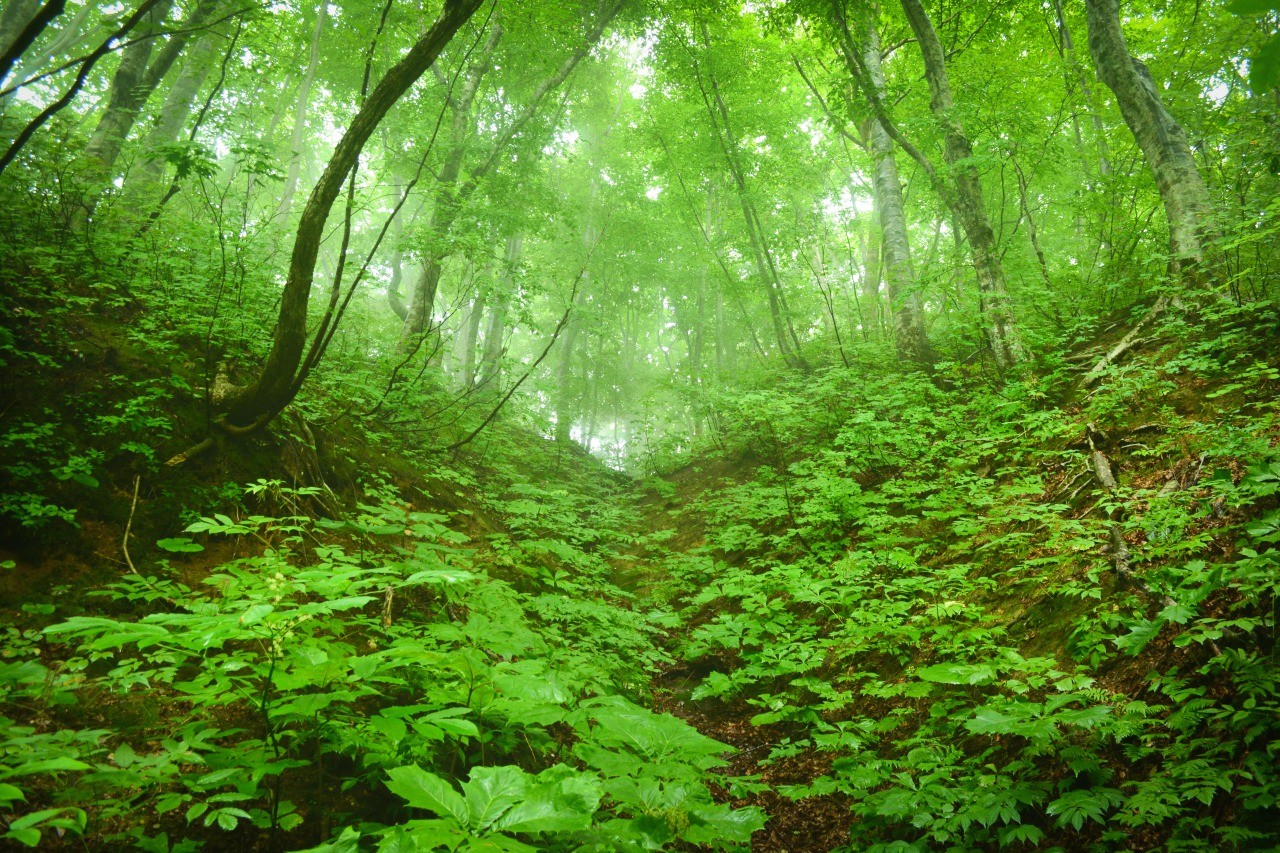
<point>795,826</point>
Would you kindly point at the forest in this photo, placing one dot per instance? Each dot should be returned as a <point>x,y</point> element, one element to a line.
<point>631,425</point>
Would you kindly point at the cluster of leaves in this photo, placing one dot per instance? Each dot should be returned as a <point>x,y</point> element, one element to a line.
<point>344,658</point>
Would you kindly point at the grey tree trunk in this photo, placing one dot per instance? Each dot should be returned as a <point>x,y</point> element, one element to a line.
<point>294,170</point>
<point>1187,205</point>
<point>177,107</point>
<point>969,204</point>
<point>905,305</point>
<point>1067,51</point>
<point>467,342</point>
<point>131,86</point>
<point>20,25</point>
<point>447,198</point>
<point>33,60</point>
<point>451,194</point>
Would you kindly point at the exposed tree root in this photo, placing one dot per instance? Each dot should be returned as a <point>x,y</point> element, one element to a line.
<point>1128,342</point>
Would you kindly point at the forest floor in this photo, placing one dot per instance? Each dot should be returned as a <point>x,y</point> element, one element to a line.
<point>794,826</point>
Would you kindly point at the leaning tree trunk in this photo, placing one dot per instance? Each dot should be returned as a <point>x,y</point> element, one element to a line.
<point>276,386</point>
<point>904,298</point>
<point>454,194</point>
<point>970,206</point>
<point>14,20</point>
<point>495,329</point>
<point>1192,228</point>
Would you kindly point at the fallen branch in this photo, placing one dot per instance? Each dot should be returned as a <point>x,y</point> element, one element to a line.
<point>124,543</point>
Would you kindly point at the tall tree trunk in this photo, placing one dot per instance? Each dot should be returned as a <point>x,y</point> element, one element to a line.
<point>13,22</point>
<point>294,170</point>
<point>495,329</point>
<point>970,206</point>
<point>467,342</point>
<point>177,106</point>
<point>447,199</point>
<point>718,112</point>
<point>33,60</point>
<point>280,378</point>
<point>1192,226</point>
<point>905,305</point>
<point>1067,51</point>
<point>452,195</point>
<point>135,79</point>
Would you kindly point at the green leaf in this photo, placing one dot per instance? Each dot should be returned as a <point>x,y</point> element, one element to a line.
<point>958,673</point>
<point>490,791</point>
<point>425,790</point>
<point>720,823</point>
<point>561,800</point>
<point>1249,8</point>
<point>44,765</point>
<point>1264,66</point>
<point>255,614</point>
<point>1139,636</point>
<point>180,545</point>
<point>10,793</point>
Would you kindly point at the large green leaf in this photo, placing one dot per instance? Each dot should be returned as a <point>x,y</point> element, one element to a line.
<point>425,790</point>
<point>561,800</point>
<point>491,791</point>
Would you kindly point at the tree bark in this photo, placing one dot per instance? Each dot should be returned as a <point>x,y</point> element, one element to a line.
<point>456,194</point>
<point>905,304</point>
<point>1067,51</point>
<point>970,206</point>
<point>444,210</point>
<point>718,112</point>
<point>82,75</point>
<point>1187,205</point>
<point>275,386</point>
<point>495,329</point>
<point>31,60</point>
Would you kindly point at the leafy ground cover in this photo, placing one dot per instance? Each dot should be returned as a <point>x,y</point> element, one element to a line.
<point>896,626</point>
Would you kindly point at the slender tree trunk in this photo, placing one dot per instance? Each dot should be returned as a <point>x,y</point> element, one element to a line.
<point>1067,51</point>
<point>447,199</point>
<point>294,170</point>
<point>454,194</point>
<point>467,342</point>
<point>1187,205</point>
<point>905,305</point>
<point>13,21</point>
<point>86,65</point>
<point>970,206</point>
<point>279,380</point>
<point>33,60</point>
<point>495,329</point>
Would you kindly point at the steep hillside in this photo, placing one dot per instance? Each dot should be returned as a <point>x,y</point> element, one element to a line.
<point>1036,617</point>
